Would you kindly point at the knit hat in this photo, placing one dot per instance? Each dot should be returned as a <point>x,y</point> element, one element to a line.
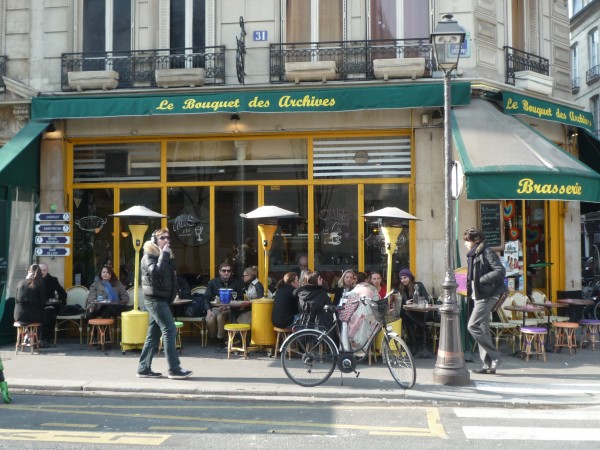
<point>406,273</point>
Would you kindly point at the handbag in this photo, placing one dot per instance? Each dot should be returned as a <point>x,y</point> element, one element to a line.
<point>499,302</point>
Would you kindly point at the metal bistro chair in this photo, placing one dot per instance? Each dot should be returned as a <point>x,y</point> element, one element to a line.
<point>196,322</point>
<point>520,299</point>
<point>76,295</point>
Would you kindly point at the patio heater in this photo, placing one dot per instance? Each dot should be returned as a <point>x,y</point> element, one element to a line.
<point>447,40</point>
<point>134,323</point>
<point>262,326</point>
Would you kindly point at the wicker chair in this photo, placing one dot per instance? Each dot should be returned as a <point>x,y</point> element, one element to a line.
<point>76,295</point>
<point>196,322</point>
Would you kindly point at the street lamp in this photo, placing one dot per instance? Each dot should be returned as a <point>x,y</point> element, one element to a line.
<point>134,323</point>
<point>447,39</point>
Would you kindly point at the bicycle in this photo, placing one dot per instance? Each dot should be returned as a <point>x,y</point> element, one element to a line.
<point>309,356</point>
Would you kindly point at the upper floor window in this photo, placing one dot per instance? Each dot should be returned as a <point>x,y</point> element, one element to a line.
<point>398,20</point>
<point>314,20</point>
<point>115,35</point>
<point>187,24</point>
<point>593,47</point>
<point>575,62</point>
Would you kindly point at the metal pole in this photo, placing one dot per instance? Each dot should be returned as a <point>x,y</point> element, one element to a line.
<point>450,364</point>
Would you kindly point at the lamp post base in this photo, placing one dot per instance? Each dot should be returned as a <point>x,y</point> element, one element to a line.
<point>451,377</point>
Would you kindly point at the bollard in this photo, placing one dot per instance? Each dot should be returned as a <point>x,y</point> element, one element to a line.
<point>3,386</point>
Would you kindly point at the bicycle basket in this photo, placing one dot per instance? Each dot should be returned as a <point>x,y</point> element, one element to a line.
<point>383,313</point>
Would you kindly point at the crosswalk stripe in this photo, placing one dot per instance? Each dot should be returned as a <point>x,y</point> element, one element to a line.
<point>531,433</point>
<point>497,413</point>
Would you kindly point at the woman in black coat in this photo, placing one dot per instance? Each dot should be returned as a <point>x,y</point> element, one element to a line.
<point>285,303</point>
<point>30,305</point>
<point>314,294</point>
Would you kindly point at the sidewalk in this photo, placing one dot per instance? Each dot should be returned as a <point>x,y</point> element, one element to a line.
<point>71,369</point>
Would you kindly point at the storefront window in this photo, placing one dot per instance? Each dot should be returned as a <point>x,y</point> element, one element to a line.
<point>379,196</point>
<point>188,209</point>
<point>236,237</point>
<point>239,160</point>
<point>336,243</point>
<point>291,239</point>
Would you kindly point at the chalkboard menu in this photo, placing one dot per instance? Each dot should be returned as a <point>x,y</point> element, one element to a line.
<point>490,222</point>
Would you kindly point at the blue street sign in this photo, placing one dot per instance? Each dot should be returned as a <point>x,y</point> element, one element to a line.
<point>52,228</point>
<point>55,251</point>
<point>260,35</point>
<point>52,240</point>
<point>40,217</point>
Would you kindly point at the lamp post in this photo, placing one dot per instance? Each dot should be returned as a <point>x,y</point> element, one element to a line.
<point>447,39</point>
<point>135,322</point>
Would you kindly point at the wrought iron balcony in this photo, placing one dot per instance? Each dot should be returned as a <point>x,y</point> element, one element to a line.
<point>3,59</point>
<point>592,75</point>
<point>575,85</point>
<point>517,60</point>
<point>353,59</point>
<point>136,68</point>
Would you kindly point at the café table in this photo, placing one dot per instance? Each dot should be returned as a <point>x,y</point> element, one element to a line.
<point>576,307</point>
<point>423,309</point>
<point>524,310</point>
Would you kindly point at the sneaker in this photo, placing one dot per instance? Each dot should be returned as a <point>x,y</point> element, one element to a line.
<point>149,374</point>
<point>179,374</point>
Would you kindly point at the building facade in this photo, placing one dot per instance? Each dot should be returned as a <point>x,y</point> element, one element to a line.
<point>204,109</point>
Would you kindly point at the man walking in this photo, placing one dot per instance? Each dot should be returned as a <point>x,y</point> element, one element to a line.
<point>159,283</point>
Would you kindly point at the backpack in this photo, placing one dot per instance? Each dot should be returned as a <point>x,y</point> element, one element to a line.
<point>197,308</point>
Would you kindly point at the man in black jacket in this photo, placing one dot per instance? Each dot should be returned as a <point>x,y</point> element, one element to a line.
<point>217,317</point>
<point>159,283</point>
<point>52,287</point>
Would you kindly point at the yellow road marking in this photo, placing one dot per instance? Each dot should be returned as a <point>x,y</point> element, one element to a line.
<point>434,428</point>
<point>167,428</point>
<point>321,433</point>
<point>83,437</point>
<point>69,425</point>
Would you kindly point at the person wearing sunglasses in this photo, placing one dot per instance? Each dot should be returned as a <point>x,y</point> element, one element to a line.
<point>218,316</point>
<point>159,283</point>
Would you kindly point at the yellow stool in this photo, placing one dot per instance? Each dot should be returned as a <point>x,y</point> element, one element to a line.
<point>27,336</point>
<point>565,336</point>
<point>101,332</point>
<point>282,333</point>
<point>178,346</point>
<point>233,329</point>
<point>533,342</point>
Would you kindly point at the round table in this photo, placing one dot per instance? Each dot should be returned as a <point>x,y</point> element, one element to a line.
<point>524,309</point>
<point>424,309</point>
<point>576,307</point>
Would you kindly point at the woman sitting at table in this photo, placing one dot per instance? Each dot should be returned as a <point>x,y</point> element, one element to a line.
<point>285,303</point>
<point>107,289</point>
<point>253,289</point>
<point>407,288</point>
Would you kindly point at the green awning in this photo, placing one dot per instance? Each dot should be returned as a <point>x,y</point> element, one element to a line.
<point>542,109</point>
<point>330,99</point>
<point>504,159</point>
<point>20,157</point>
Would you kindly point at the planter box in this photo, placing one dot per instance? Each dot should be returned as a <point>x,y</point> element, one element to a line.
<point>535,82</point>
<point>399,68</point>
<point>93,79</point>
<point>191,77</point>
<point>310,71</point>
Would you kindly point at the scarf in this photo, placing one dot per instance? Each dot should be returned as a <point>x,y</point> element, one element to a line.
<point>110,291</point>
<point>470,257</point>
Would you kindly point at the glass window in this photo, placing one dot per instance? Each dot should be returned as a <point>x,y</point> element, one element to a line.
<point>188,209</point>
<point>237,160</point>
<point>575,63</point>
<point>291,238</point>
<point>336,230</point>
<point>379,196</point>
<point>593,44</point>
<point>116,162</point>
<point>313,21</point>
<point>117,37</point>
<point>187,33</point>
<point>94,36</point>
<point>232,232</point>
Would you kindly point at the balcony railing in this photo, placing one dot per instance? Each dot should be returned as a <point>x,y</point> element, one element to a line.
<point>575,85</point>
<point>592,75</point>
<point>2,72</point>
<point>518,60</point>
<point>136,67</point>
<point>354,59</point>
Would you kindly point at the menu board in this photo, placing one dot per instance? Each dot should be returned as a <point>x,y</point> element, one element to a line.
<point>490,223</point>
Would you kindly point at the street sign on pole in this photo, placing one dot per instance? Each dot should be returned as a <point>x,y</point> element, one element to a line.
<point>52,228</point>
<point>41,217</point>
<point>52,240</point>
<point>55,251</point>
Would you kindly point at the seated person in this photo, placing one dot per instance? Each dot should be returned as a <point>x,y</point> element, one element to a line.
<point>285,303</point>
<point>107,288</point>
<point>313,294</point>
<point>218,316</point>
<point>30,304</point>
<point>253,289</point>
<point>410,320</point>
<point>357,320</point>
<point>52,288</point>
<point>344,285</point>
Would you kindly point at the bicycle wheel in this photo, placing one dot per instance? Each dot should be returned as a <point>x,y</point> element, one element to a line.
<point>596,311</point>
<point>399,361</point>
<point>308,359</point>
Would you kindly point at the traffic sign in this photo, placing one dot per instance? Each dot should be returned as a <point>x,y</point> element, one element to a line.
<point>55,251</point>
<point>40,217</point>
<point>52,240</point>
<point>52,228</point>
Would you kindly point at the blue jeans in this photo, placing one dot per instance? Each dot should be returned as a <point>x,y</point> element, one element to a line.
<point>161,323</point>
